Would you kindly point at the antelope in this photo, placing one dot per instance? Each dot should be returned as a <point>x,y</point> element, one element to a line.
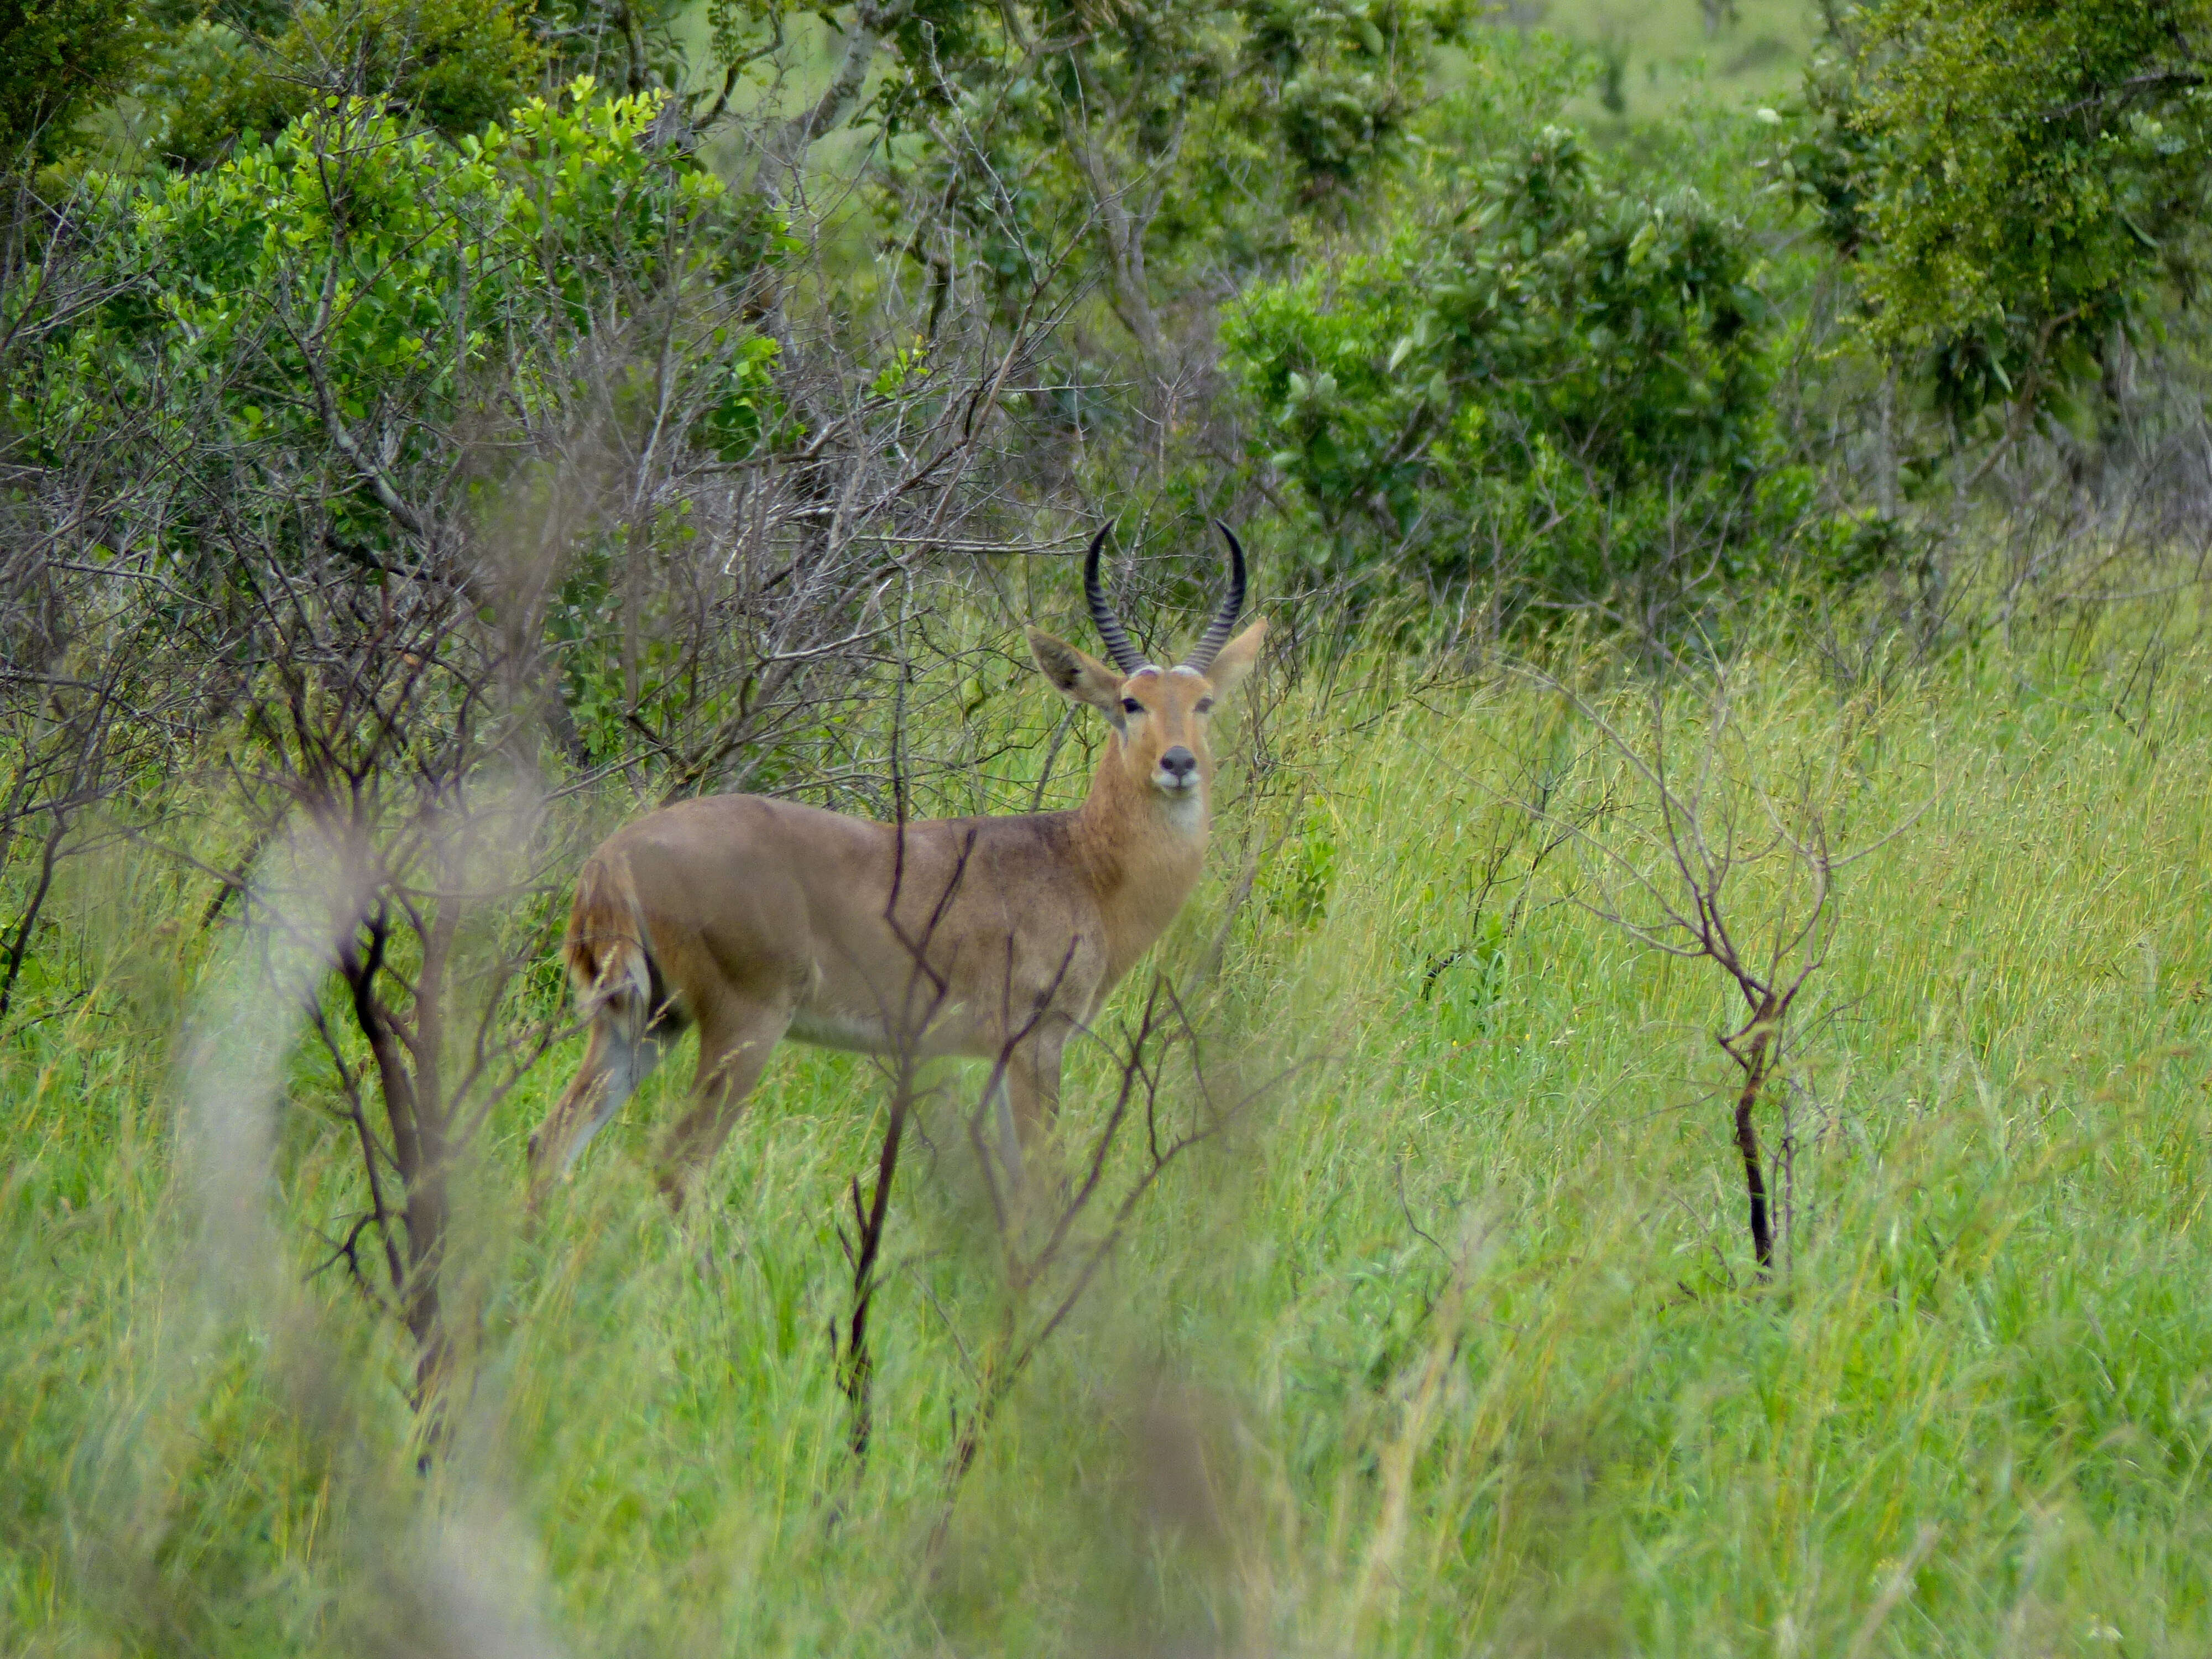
<point>753,920</point>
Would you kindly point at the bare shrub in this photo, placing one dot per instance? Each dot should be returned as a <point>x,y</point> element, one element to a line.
<point>1694,856</point>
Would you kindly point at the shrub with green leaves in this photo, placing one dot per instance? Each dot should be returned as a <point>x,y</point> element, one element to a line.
<point>2020,183</point>
<point>1556,382</point>
<point>57,58</point>
<point>347,288</point>
<point>1345,78</point>
<point>457,65</point>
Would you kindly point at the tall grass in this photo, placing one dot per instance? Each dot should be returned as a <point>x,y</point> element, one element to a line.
<point>1454,1346</point>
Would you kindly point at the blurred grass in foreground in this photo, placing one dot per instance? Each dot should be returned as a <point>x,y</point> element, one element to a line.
<point>1453,1347</point>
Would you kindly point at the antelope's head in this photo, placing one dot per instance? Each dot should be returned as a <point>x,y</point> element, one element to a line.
<point>1158,715</point>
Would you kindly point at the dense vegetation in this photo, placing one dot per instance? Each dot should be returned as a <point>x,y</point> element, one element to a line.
<point>1678,1120</point>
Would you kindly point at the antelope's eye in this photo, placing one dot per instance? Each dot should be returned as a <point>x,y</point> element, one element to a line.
<point>1203,706</point>
<point>1131,706</point>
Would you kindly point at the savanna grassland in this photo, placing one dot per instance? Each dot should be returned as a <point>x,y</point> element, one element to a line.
<point>1453,1343</point>
<point>1678,1118</point>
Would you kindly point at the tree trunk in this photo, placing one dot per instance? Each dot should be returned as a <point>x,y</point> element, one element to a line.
<point>1753,1062</point>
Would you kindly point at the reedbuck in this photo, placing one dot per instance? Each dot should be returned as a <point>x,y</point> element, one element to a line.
<point>996,938</point>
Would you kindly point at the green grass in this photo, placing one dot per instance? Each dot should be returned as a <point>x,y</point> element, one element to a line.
<point>1663,52</point>
<point>1452,1347</point>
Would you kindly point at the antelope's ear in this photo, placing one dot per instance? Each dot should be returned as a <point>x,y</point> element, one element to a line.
<point>1237,657</point>
<point>1078,678</point>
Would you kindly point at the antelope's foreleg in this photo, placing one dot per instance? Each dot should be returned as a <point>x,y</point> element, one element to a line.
<point>1033,1081</point>
<point>1031,1091</point>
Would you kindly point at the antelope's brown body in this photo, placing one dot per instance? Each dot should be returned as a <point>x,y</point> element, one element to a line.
<point>754,920</point>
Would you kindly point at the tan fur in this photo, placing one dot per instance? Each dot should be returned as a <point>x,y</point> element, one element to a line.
<point>754,918</point>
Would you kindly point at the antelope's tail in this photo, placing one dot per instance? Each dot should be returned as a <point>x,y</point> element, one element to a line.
<point>609,952</point>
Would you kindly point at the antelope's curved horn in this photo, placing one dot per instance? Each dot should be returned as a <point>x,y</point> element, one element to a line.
<point>1217,631</point>
<point>1127,657</point>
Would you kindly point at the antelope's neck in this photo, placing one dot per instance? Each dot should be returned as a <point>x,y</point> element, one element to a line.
<point>1144,856</point>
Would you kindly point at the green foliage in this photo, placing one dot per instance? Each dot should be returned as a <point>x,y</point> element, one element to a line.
<point>2017,180</point>
<point>1298,884</point>
<point>1337,82</point>
<point>1172,141</point>
<point>1118,101</point>
<point>456,64</point>
<point>355,273</point>
<point>1346,78</point>
<point>1557,380</point>
<point>57,58</point>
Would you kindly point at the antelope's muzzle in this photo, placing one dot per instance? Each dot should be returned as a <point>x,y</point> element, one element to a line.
<point>1178,769</point>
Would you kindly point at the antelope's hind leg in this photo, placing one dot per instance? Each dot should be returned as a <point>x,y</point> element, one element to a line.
<point>617,1061</point>
<point>735,1045</point>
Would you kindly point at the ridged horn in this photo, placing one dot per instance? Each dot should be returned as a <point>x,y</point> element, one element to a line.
<point>1217,631</point>
<point>1127,657</point>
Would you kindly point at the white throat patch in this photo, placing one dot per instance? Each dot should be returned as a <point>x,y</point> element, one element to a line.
<point>1186,810</point>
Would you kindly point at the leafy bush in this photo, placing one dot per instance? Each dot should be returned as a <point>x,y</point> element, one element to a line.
<point>457,64</point>
<point>57,57</point>
<point>1345,77</point>
<point>352,277</point>
<point>2032,174</point>
<point>1557,383</point>
<point>2016,188</point>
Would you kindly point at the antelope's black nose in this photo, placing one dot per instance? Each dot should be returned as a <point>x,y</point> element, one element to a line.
<point>1181,766</point>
